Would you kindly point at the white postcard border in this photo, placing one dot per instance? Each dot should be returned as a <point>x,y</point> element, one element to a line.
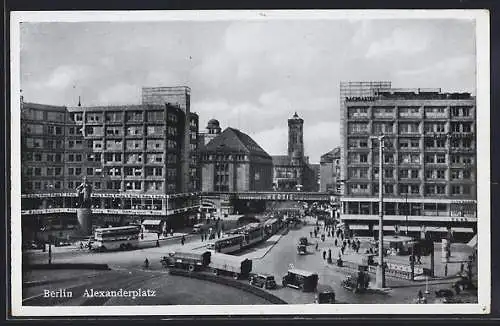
<point>483,167</point>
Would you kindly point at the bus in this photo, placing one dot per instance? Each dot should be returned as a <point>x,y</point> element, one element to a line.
<point>253,233</point>
<point>121,237</point>
<point>228,244</point>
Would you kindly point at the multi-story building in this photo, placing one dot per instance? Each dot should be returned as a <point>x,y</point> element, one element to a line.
<point>233,161</point>
<point>293,172</point>
<point>130,154</point>
<point>330,171</point>
<point>429,158</point>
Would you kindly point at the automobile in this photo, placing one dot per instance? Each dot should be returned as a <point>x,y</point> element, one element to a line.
<point>444,293</point>
<point>34,245</point>
<point>62,243</point>
<point>303,241</point>
<point>301,249</point>
<point>266,281</point>
<point>300,279</point>
<point>198,228</point>
<point>324,294</point>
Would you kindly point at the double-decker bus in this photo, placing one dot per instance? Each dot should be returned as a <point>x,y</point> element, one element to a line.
<point>228,244</point>
<point>253,233</point>
<point>121,237</point>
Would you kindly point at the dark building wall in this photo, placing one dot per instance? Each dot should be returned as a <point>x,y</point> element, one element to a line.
<point>178,96</point>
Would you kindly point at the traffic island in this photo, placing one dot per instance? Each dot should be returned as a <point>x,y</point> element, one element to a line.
<point>228,282</point>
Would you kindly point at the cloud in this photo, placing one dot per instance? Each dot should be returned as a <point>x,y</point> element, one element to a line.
<point>66,76</point>
<point>274,141</point>
<point>120,94</point>
<point>321,138</point>
<point>401,41</point>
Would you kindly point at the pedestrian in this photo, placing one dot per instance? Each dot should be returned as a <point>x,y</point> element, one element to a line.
<point>317,246</point>
<point>446,270</point>
<point>342,249</point>
<point>359,243</point>
<point>419,259</point>
<point>172,232</point>
<point>324,254</point>
<point>336,242</point>
<point>157,243</point>
<point>348,242</point>
<point>357,249</point>
<point>183,239</point>
<point>201,234</point>
<point>311,234</point>
<point>461,268</point>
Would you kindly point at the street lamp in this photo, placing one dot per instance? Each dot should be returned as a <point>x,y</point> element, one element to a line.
<point>407,208</point>
<point>380,277</point>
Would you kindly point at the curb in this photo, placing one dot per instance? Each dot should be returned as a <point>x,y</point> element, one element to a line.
<point>43,282</point>
<point>68,266</point>
<point>272,246</point>
<point>229,282</point>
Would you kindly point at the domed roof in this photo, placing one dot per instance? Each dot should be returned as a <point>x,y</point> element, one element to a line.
<point>213,123</point>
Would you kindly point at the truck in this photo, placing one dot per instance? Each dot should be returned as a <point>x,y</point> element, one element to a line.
<point>193,260</point>
<point>235,266</point>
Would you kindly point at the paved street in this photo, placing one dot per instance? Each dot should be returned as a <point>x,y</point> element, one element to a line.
<point>169,290</point>
<point>273,256</point>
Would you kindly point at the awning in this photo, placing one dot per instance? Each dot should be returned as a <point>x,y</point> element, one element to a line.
<point>464,230</point>
<point>473,242</point>
<point>358,227</point>
<point>151,222</point>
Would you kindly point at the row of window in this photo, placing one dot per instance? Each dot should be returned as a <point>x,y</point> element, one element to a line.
<point>43,115</point>
<point>409,158</point>
<point>224,157</point>
<point>117,116</point>
<point>389,189</point>
<point>410,111</point>
<point>408,127</point>
<point>455,174</point>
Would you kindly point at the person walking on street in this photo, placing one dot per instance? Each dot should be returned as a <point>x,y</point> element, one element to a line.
<point>445,270</point>
<point>336,242</point>
<point>157,243</point>
<point>183,239</point>
<point>317,245</point>
<point>419,259</point>
<point>324,254</point>
<point>342,249</point>
<point>172,232</point>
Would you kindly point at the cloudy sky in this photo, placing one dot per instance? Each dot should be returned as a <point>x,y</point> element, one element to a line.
<point>248,75</point>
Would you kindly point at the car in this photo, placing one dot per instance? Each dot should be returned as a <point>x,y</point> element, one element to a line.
<point>301,249</point>
<point>303,241</point>
<point>324,294</point>
<point>198,228</point>
<point>300,279</point>
<point>263,280</point>
<point>34,245</point>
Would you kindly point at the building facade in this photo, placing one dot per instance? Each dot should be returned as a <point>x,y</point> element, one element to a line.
<point>293,172</point>
<point>212,130</point>
<point>330,172</point>
<point>233,162</point>
<point>429,159</point>
<point>130,155</point>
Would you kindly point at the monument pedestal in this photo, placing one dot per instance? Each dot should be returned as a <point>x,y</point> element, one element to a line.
<point>84,216</point>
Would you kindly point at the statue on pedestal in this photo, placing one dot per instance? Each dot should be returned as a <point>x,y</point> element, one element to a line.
<point>84,191</point>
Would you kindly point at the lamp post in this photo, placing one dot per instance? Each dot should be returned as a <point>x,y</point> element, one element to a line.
<point>380,277</point>
<point>407,208</point>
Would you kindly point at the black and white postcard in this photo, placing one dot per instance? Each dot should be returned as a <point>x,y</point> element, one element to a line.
<point>250,162</point>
